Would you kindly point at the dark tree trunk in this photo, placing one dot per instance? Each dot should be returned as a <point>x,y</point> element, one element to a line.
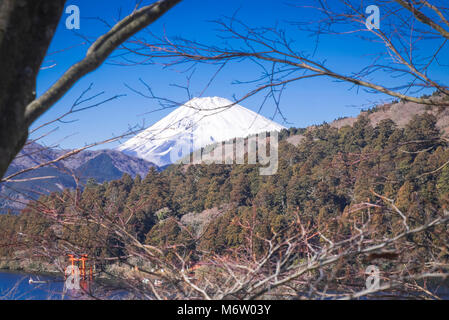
<point>26,30</point>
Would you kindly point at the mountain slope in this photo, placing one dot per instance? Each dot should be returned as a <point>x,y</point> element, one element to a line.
<point>400,112</point>
<point>196,124</point>
<point>100,168</point>
<point>123,162</point>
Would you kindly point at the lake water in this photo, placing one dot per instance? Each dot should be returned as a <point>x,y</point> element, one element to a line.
<point>15,286</point>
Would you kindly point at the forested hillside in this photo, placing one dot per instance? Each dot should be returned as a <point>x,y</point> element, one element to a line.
<point>332,179</point>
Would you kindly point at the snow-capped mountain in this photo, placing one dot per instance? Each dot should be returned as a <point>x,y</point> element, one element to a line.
<point>196,124</point>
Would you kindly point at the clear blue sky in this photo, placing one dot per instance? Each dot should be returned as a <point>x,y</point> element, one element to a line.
<point>305,103</point>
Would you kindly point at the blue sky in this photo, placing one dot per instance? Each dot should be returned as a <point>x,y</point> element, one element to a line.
<point>303,104</point>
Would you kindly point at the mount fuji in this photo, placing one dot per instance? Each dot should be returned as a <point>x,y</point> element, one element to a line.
<point>196,124</point>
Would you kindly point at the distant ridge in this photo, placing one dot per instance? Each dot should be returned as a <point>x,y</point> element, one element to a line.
<point>101,165</point>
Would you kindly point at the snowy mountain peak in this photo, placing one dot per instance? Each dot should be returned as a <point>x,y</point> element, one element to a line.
<point>207,103</point>
<point>196,124</point>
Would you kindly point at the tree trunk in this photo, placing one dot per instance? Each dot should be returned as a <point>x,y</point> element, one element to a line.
<point>26,30</point>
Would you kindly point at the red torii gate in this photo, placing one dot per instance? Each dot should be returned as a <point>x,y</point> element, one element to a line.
<point>83,259</point>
